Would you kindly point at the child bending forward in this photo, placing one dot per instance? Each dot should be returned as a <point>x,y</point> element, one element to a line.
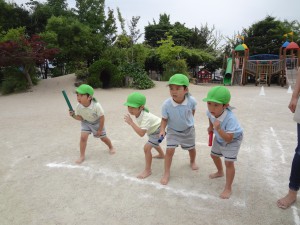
<point>228,135</point>
<point>146,123</point>
<point>91,115</point>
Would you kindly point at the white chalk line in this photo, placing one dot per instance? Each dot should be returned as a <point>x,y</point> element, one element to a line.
<point>116,176</point>
<point>296,216</point>
<point>279,145</point>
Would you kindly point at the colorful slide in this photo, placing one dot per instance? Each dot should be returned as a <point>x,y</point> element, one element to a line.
<point>228,72</point>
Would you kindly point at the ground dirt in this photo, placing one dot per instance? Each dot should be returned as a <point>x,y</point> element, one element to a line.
<point>40,183</point>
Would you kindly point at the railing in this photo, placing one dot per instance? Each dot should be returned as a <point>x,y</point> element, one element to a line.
<point>265,66</point>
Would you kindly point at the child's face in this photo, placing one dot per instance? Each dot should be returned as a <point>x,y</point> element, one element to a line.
<point>178,92</point>
<point>135,111</point>
<point>216,109</point>
<point>84,100</point>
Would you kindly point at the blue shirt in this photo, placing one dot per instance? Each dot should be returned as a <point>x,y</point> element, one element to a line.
<point>180,116</point>
<point>228,122</point>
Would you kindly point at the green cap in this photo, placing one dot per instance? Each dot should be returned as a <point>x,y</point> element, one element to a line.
<point>218,94</point>
<point>179,79</point>
<point>135,100</point>
<point>85,89</point>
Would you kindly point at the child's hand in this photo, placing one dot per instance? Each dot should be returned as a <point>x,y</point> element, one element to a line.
<point>128,119</point>
<point>217,125</point>
<point>210,129</point>
<point>162,133</point>
<point>99,133</point>
<point>71,113</point>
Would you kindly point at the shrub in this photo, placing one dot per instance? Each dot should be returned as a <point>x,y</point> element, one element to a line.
<point>173,67</point>
<point>105,74</point>
<point>14,80</point>
<point>140,78</point>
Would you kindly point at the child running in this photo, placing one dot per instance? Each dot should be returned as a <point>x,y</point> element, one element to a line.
<point>178,117</point>
<point>146,123</point>
<point>228,135</point>
<point>91,115</point>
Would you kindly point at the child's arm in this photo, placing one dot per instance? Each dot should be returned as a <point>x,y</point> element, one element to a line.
<point>76,117</point>
<point>295,95</point>
<point>101,125</point>
<point>136,128</point>
<point>211,127</point>
<point>227,137</point>
<point>163,125</point>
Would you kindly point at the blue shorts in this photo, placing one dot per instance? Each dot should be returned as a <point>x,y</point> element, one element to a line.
<point>92,127</point>
<point>153,138</point>
<point>186,138</point>
<point>228,150</point>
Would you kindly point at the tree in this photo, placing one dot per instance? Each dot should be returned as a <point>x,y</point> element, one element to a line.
<point>134,33</point>
<point>156,32</point>
<point>12,16</point>
<point>91,13</point>
<point>168,51</point>
<point>266,36</point>
<point>181,34</point>
<point>24,53</point>
<point>76,41</point>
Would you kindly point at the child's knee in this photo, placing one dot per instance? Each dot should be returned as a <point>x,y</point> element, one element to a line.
<point>84,138</point>
<point>229,164</point>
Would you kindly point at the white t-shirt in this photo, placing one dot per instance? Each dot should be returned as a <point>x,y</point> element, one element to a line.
<point>91,113</point>
<point>148,121</point>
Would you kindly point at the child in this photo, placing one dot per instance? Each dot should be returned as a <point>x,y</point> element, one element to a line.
<point>146,123</point>
<point>178,116</point>
<point>228,135</point>
<point>91,115</point>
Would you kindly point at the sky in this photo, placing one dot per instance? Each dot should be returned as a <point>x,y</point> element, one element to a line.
<point>228,17</point>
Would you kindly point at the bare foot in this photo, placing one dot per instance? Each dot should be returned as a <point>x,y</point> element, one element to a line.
<point>165,179</point>
<point>144,174</point>
<point>194,166</point>
<point>80,160</point>
<point>112,151</point>
<point>288,200</point>
<point>226,194</point>
<point>159,156</point>
<point>216,175</point>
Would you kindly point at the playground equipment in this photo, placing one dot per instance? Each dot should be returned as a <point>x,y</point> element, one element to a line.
<point>204,76</point>
<point>291,61</point>
<point>236,65</point>
<point>264,68</point>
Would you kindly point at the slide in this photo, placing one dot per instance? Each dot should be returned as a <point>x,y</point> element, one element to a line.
<point>228,72</point>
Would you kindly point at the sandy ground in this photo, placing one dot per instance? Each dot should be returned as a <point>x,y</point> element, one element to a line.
<point>41,184</point>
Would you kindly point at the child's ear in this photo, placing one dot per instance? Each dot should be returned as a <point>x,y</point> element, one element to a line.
<point>226,105</point>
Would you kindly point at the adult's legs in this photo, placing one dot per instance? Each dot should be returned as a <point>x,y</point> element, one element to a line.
<point>294,184</point>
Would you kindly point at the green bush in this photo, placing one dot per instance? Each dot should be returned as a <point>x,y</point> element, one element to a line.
<point>104,73</point>
<point>173,67</point>
<point>140,78</point>
<point>14,80</point>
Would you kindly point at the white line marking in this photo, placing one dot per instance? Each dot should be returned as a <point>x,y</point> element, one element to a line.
<point>296,216</point>
<point>279,145</point>
<point>116,176</point>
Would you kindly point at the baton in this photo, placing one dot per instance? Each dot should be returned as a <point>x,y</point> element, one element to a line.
<point>67,100</point>
<point>210,138</point>
<point>161,139</point>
